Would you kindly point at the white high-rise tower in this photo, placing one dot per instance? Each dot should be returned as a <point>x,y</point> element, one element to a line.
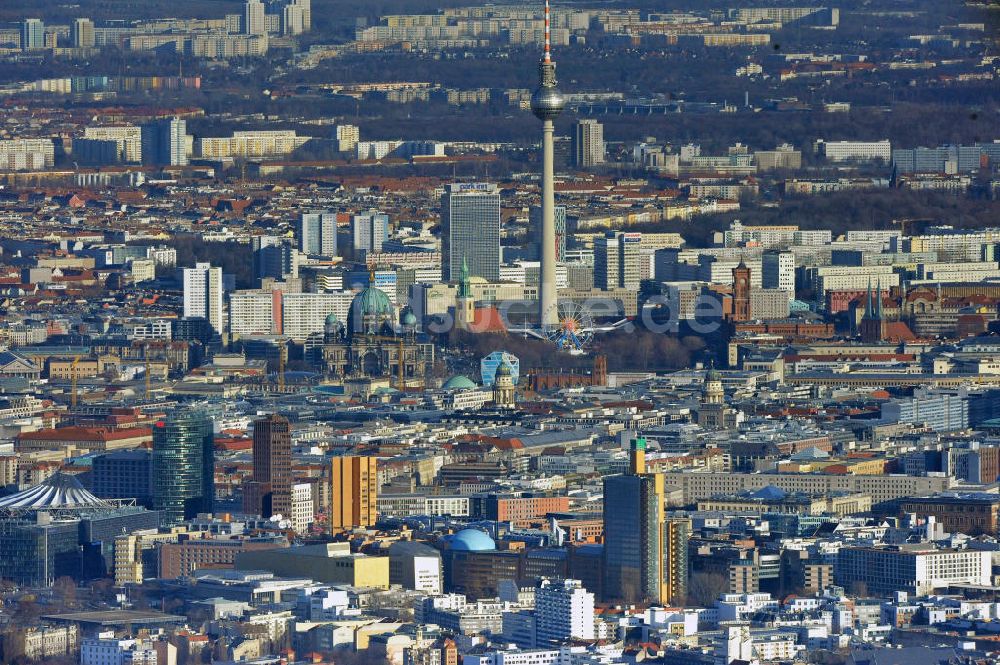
<point>547,103</point>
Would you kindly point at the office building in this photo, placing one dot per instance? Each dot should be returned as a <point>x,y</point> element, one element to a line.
<point>368,232</point>
<point>470,230</point>
<point>57,528</point>
<point>564,610</point>
<point>274,257</point>
<point>917,569</point>
<point>326,563</point>
<point>415,566</point>
<point>353,492</point>
<point>269,491</point>
<point>778,271</point>
<point>165,142</point>
<point>940,411</point>
<point>112,651</point>
<point>645,553</point>
<point>303,508</point>
<point>123,474</point>
<point>535,224</point>
<point>81,33</point>
<point>183,465</point>
<point>203,294</point>
<point>181,559</point>
<point>617,261</point>
<point>32,34</point>
<point>253,18</point>
<point>588,143</point>
<point>974,513</point>
<point>856,151</point>
<point>318,233</point>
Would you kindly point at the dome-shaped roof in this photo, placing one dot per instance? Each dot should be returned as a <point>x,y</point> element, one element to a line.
<point>373,307</point>
<point>713,375</point>
<point>459,382</point>
<point>332,320</point>
<point>504,369</point>
<point>57,491</point>
<point>409,319</point>
<point>372,302</point>
<point>472,540</point>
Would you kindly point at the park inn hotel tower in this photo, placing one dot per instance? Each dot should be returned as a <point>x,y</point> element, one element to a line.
<point>645,552</point>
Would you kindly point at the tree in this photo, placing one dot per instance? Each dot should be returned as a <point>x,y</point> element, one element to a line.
<point>65,589</point>
<point>705,588</point>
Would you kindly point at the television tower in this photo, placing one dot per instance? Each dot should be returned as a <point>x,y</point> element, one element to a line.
<point>547,103</point>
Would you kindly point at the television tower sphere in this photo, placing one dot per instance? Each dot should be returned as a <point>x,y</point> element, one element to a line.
<point>547,103</point>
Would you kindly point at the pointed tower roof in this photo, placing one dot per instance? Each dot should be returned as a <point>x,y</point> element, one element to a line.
<point>464,289</point>
<point>869,303</point>
<point>878,302</point>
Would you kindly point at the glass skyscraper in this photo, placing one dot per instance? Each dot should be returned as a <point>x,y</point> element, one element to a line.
<point>645,552</point>
<point>183,465</point>
<point>470,230</point>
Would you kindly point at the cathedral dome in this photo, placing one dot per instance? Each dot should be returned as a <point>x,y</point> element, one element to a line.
<point>373,307</point>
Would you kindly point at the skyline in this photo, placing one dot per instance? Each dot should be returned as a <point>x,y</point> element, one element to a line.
<point>314,351</point>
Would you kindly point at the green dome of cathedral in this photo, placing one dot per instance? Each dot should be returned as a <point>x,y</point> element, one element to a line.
<point>374,308</point>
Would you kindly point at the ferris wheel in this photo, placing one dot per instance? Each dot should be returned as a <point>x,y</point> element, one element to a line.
<point>574,327</point>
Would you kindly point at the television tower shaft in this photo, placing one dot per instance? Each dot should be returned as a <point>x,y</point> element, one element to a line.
<point>547,103</point>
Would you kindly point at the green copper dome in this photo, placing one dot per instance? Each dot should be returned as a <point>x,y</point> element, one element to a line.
<point>374,308</point>
<point>459,382</point>
<point>373,302</point>
<point>332,320</point>
<point>504,369</point>
<point>409,319</point>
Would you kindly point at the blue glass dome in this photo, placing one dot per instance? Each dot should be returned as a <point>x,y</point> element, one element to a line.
<point>472,540</point>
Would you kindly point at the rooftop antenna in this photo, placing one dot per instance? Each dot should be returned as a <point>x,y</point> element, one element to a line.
<point>547,57</point>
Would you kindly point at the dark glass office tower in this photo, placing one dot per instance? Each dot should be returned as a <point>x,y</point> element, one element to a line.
<point>645,551</point>
<point>183,465</point>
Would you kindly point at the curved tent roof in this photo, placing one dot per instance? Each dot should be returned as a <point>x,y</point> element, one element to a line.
<point>57,491</point>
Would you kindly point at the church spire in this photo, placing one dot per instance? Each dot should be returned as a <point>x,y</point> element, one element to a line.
<point>869,302</point>
<point>878,302</point>
<point>464,287</point>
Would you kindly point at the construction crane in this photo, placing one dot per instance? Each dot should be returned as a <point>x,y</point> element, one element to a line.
<point>400,358</point>
<point>73,379</point>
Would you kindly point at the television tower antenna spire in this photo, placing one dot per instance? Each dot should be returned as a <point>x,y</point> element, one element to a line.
<point>548,34</point>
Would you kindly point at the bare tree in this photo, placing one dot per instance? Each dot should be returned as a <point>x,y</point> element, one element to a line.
<point>705,588</point>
